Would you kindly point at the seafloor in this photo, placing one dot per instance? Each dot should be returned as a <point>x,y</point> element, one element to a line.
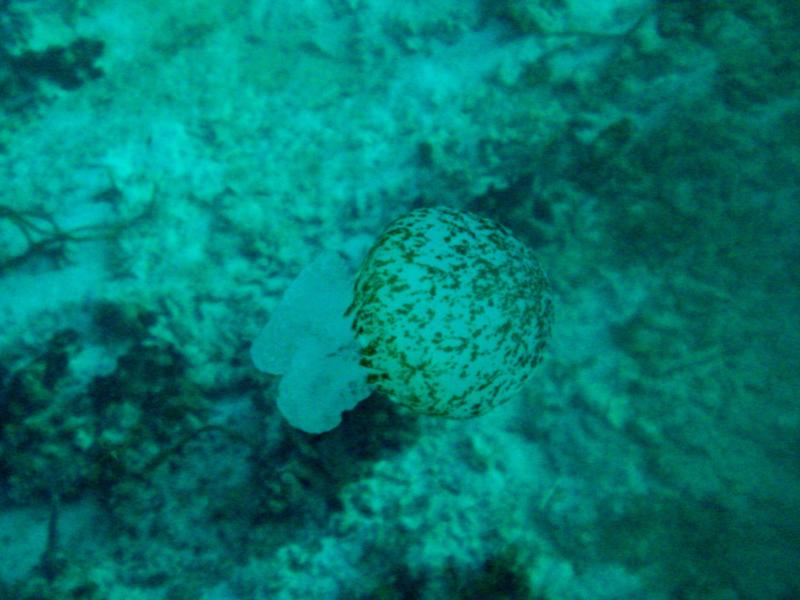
<point>167,167</point>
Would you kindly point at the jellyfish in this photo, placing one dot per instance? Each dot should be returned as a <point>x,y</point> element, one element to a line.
<point>448,314</point>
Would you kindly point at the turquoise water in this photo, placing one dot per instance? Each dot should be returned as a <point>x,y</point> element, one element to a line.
<point>169,168</point>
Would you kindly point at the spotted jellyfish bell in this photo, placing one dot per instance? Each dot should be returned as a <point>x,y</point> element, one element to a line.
<point>450,314</point>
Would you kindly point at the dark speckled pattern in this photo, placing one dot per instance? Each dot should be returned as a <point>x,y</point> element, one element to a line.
<point>451,311</point>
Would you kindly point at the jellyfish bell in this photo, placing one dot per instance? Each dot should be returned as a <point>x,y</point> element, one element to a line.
<point>451,313</point>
